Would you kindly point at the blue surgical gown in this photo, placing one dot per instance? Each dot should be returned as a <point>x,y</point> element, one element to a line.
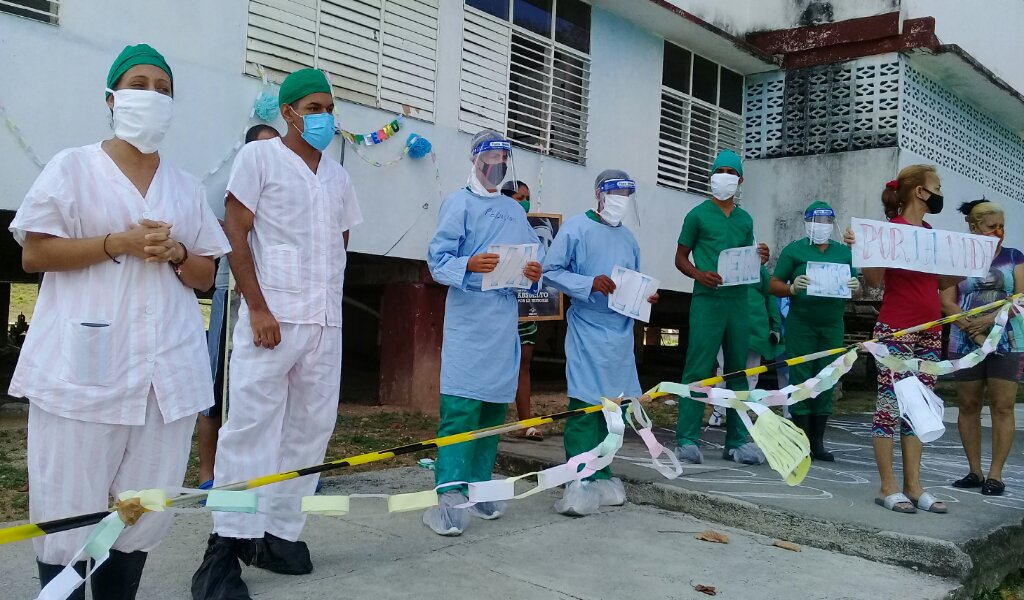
<point>599,343</point>
<point>480,351</point>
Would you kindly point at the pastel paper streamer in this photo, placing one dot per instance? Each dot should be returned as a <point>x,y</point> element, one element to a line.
<point>331,506</point>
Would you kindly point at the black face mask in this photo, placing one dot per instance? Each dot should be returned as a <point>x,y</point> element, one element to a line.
<point>934,203</point>
<point>493,174</point>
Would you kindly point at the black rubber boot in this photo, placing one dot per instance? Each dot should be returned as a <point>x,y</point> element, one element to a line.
<point>818,451</point>
<point>118,578</point>
<point>47,572</point>
<point>220,575</point>
<point>803,422</point>
<point>281,556</point>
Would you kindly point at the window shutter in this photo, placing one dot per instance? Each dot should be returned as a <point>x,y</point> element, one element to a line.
<point>281,36</point>
<point>409,56</point>
<point>349,47</point>
<point>484,81</point>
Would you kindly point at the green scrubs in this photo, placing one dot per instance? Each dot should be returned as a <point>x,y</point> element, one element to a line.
<point>814,323</point>
<point>473,460</point>
<point>718,317</point>
<point>765,318</point>
<point>584,433</point>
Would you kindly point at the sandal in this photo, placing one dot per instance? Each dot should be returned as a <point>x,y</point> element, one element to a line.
<point>928,503</point>
<point>892,502</point>
<point>970,481</point>
<point>992,487</point>
<point>531,434</point>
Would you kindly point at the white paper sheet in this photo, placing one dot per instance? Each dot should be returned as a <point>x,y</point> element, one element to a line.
<point>828,280</point>
<point>739,266</point>
<point>632,289</point>
<point>512,259</point>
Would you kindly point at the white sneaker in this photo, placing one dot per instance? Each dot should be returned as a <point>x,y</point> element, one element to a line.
<point>717,419</point>
<point>488,510</point>
<point>579,499</point>
<point>611,491</point>
<point>445,519</point>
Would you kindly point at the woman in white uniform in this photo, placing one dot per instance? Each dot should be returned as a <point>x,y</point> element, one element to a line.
<point>114,366</point>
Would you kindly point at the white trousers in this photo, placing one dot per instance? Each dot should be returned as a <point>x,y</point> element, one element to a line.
<point>284,405</point>
<point>77,467</point>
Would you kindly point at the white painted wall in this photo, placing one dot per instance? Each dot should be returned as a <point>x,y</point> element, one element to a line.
<point>740,17</point>
<point>956,189</point>
<point>777,191</point>
<point>990,32</point>
<point>58,102</point>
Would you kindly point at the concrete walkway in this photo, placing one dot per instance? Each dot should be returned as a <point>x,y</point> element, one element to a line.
<point>977,543</point>
<point>531,554</point>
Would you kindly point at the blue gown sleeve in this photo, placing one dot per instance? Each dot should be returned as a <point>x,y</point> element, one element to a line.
<point>447,267</point>
<point>557,265</point>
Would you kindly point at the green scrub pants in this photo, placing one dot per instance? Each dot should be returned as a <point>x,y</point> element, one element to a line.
<point>806,338</point>
<point>714,323</point>
<point>473,460</point>
<point>585,433</point>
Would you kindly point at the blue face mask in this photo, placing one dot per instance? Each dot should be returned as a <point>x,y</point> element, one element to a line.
<point>318,130</point>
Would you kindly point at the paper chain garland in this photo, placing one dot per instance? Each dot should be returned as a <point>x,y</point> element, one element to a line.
<point>375,137</point>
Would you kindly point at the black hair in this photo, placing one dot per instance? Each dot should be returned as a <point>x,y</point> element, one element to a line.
<point>967,207</point>
<point>254,132</point>
<point>511,187</point>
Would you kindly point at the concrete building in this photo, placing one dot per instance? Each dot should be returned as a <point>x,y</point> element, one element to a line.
<point>824,99</point>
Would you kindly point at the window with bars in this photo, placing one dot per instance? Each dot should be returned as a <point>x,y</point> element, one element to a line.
<point>526,71</point>
<point>45,11</point>
<point>380,53</point>
<point>701,114</point>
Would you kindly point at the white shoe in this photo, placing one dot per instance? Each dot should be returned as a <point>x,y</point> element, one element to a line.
<point>611,491</point>
<point>579,499</point>
<point>488,510</point>
<point>689,454</point>
<point>717,419</point>
<point>445,519</point>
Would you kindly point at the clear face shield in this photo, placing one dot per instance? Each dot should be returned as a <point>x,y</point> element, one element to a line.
<point>492,167</point>
<point>616,201</point>
<point>819,224</point>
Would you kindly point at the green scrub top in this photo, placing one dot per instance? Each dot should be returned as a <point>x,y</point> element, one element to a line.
<point>707,232</point>
<point>793,262</point>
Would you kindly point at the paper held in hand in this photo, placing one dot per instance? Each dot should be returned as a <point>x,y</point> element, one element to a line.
<point>512,259</point>
<point>632,289</point>
<point>828,280</point>
<point>739,266</point>
<point>935,251</point>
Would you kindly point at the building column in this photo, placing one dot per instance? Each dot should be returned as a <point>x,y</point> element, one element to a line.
<point>412,323</point>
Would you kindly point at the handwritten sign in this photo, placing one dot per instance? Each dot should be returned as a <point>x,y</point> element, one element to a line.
<point>512,259</point>
<point>632,290</point>
<point>828,280</point>
<point>920,249</point>
<point>739,266</point>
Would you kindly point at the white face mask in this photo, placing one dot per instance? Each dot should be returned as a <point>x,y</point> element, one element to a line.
<point>819,233</point>
<point>723,185</point>
<point>142,118</point>
<point>615,207</point>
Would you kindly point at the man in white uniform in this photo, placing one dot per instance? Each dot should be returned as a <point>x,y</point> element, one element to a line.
<point>114,365</point>
<point>289,209</point>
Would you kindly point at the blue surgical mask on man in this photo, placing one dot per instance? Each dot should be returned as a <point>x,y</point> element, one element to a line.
<point>318,130</point>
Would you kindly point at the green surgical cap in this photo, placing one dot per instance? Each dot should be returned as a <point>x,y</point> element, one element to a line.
<point>728,158</point>
<point>302,83</point>
<point>141,54</point>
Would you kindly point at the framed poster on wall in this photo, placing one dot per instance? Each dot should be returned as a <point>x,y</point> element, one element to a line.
<point>547,304</point>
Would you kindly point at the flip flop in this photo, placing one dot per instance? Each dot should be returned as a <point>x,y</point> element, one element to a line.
<point>968,481</point>
<point>927,502</point>
<point>531,434</point>
<point>892,500</point>
<point>993,487</point>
